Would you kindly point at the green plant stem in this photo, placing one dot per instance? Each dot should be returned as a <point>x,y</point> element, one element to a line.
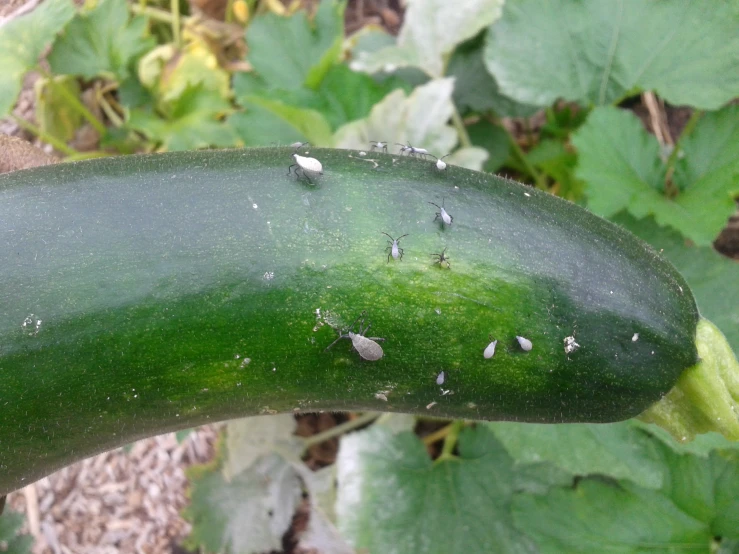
<point>450,441</point>
<point>176,37</point>
<point>539,178</point>
<point>74,102</point>
<point>464,137</point>
<point>229,11</point>
<point>340,429</point>
<point>60,145</point>
<point>687,130</point>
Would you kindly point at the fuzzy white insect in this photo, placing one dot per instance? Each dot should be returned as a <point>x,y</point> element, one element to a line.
<point>307,166</point>
<point>412,150</point>
<point>441,165</point>
<point>570,345</point>
<point>395,250</point>
<point>446,219</point>
<point>440,379</point>
<point>379,145</point>
<point>635,337</point>
<point>367,347</point>
<point>490,350</point>
<point>524,343</point>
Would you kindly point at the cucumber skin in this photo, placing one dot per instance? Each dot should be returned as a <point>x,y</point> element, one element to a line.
<point>155,277</point>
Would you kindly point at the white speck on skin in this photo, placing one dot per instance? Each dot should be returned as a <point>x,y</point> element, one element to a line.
<point>381,396</point>
<point>245,362</point>
<point>527,194</point>
<point>635,337</point>
<point>438,311</point>
<point>570,345</point>
<point>429,406</point>
<point>254,206</point>
<point>363,153</point>
<point>269,275</point>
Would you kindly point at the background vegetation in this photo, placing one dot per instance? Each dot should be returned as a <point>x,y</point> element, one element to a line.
<point>625,107</point>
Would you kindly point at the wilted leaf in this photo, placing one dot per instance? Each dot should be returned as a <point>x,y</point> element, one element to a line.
<point>420,119</point>
<point>622,168</point>
<point>599,52</point>
<point>53,111</point>
<point>431,30</point>
<point>248,514</point>
<point>21,42</point>
<point>289,52</point>
<point>101,42</point>
<point>713,278</point>
<point>394,499</point>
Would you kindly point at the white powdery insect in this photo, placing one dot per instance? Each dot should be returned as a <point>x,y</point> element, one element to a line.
<point>524,343</point>
<point>490,350</point>
<point>395,250</point>
<point>311,165</point>
<point>441,165</point>
<point>570,345</point>
<point>440,379</point>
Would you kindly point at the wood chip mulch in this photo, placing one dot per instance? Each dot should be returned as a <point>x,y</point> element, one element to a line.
<point>117,502</point>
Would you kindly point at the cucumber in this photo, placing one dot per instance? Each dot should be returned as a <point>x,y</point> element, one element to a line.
<point>150,293</point>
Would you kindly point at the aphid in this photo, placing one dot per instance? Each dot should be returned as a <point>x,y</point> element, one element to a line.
<point>489,351</point>
<point>446,219</point>
<point>412,150</point>
<point>379,145</point>
<point>441,164</point>
<point>524,343</point>
<point>442,259</point>
<point>440,379</point>
<point>367,348</point>
<point>306,166</point>
<point>395,250</point>
<point>570,345</point>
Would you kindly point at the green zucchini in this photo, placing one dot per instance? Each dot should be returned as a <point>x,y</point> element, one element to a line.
<point>149,293</point>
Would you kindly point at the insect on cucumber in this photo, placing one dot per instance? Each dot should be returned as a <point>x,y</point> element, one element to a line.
<point>367,347</point>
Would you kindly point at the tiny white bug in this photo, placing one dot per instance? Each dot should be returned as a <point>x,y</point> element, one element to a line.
<point>441,164</point>
<point>490,350</point>
<point>395,250</point>
<point>412,150</point>
<point>570,345</point>
<point>367,347</point>
<point>446,219</point>
<point>306,166</point>
<point>379,145</point>
<point>440,379</point>
<point>635,337</point>
<point>524,343</point>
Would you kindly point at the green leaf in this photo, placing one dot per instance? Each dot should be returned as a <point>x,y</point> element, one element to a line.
<point>249,513</point>
<point>22,41</point>
<point>713,278</point>
<point>194,122</point>
<point>475,89</point>
<point>599,52</point>
<point>308,123</point>
<point>420,119</point>
<point>290,52</point>
<point>494,140</point>
<point>621,166</point>
<point>101,42</point>
<point>393,498</point>
<point>259,127</point>
<point>53,111</point>
<point>14,542</point>
<point>557,161</point>
<point>618,517</point>
<point>697,500</point>
<point>431,30</point>
<point>618,450</point>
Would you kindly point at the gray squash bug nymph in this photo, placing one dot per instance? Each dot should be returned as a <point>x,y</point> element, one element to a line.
<point>395,251</point>
<point>442,259</point>
<point>442,214</point>
<point>412,150</point>
<point>367,347</point>
<point>379,145</point>
<point>524,343</point>
<point>489,351</point>
<point>441,165</point>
